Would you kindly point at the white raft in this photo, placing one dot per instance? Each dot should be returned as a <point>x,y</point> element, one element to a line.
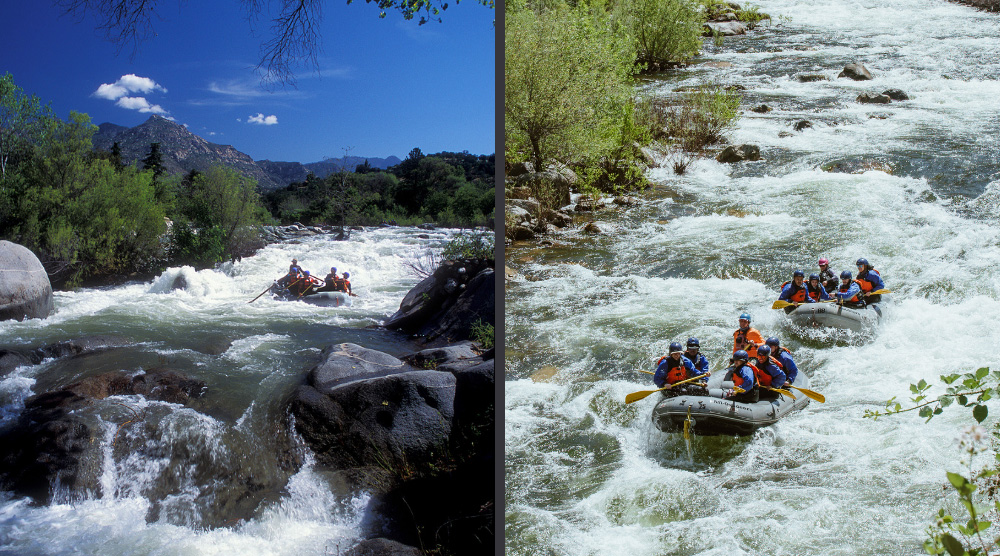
<point>837,316</point>
<point>321,299</point>
<point>710,415</point>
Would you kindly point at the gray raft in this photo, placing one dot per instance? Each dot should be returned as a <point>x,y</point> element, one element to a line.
<point>321,299</point>
<point>837,316</point>
<point>718,416</point>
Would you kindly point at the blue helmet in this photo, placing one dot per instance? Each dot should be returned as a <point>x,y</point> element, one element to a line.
<point>675,347</point>
<point>799,273</point>
<point>813,276</point>
<point>745,316</point>
<point>763,351</point>
<point>862,262</point>
<point>306,272</point>
<point>845,275</point>
<point>772,341</point>
<point>741,355</point>
<point>693,342</point>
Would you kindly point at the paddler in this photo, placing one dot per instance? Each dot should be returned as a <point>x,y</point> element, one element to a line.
<point>741,374</point>
<point>849,292</point>
<point>783,357</point>
<point>747,338</point>
<point>673,368</point>
<point>815,290</point>
<point>770,372</point>
<point>869,280</point>
<point>795,292</point>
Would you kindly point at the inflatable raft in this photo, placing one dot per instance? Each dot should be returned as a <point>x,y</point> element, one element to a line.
<point>837,316</point>
<point>321,299</point>
<point>710,415</point>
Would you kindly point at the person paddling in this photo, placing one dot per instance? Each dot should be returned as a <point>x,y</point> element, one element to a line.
<point>741,374</point>
<point>849,293</point>
<point>771,373</point>
<point>783,357</point>
<point>674,368</point>
<point>693,352</point>
<point>827,276</point>
<point>795,292</point>
<point>747,338</point>
<point>815,290</point>
<point>869,280</point>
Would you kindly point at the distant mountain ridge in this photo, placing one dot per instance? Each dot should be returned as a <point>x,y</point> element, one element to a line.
<point>184,151</point>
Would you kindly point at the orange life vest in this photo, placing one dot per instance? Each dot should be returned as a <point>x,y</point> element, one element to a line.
<point>844,286</point>
<point>797,297</point>
<point>866,286</point>
<point>740,340</point>
<point>814,294</point>
<point>738,380</point>
<point>676,371</point>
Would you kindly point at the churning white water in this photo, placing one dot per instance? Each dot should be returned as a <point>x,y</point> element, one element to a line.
<point>588,474</point>
<point>172,478</point>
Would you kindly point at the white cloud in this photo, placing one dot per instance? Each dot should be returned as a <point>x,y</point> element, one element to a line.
<point>140,104</point>
<point>262,119</point>
<point>130,83</point>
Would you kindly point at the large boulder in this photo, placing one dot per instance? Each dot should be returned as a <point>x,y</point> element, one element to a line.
<point>25,290</point>
<point>856,71</point>
<point>10,359</point>
<point>551,186</point>
<point>447,303</point>
<point>739,153</point>
<point>873,98</point>
<point>724,28</point>
<point>399,422</point>
<point>51,447</point>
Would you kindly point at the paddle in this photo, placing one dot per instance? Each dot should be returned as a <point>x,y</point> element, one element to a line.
<point>810,393</point>
<point>261,293</point>
<point>636,396</point>
<point>779,390</point>
<point>878,292</point>
<point>779,304</point>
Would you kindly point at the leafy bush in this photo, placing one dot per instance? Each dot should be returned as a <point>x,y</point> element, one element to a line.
<point>699,119</point>
<point>482,332</point>
<point>664,32</point>
<point>470,245</point>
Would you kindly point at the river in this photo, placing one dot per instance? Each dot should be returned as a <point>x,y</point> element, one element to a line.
<point>587,474</point>
<point>210,477</point>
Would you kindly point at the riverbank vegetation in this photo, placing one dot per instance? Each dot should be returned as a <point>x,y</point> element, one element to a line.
<point>570,94</point>
<point>91,218</point>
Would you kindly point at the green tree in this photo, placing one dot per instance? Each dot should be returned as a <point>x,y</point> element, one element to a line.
<point>22,119</point>
<point>566,78</point>
<point>225,205</point>
<point>154,160</point>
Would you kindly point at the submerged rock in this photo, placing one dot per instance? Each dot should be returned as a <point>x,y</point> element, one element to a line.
<point>873,98</point>
<point>896,94</point>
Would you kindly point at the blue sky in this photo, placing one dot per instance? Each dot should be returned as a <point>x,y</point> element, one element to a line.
<point>384,85</point>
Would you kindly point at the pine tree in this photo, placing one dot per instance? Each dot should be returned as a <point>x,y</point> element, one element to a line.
<point>154,161</point>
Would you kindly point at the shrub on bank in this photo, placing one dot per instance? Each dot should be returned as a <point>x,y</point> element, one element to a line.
<point>665,33</point>
<point>695,119</point>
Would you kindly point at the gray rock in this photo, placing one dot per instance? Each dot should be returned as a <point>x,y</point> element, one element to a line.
<point>529,205</point>
<point>517,214</point>
<point>873,98</point>
<point>449,358</point>
<point>804,124</point>
<point>739,153</point>
<point>401,422</point>
<point>761,109</point>
<point>25,290</point>
<point>856,71</point>
<point>559,219</point>
<point>810,77</point>
<point>592,228</point>
<point>520,169</point>
<point>587,203</point>
<point>896,94</point>
<point>626,201</point>
<point>522,233</point>
<point>343,363</point>
<point>785,134</point>
<point>724,28</point>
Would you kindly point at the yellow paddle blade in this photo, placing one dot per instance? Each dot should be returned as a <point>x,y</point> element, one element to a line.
<point>879,292</point>
<point>779,304</point>
<point>782,392</point>
<point>812,394</point>
<point>636,396</point>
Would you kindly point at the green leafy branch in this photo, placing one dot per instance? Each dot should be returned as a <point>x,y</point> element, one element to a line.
<point>967,390</point>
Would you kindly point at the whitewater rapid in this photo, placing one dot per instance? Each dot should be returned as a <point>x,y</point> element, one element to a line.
<point>587,474</point>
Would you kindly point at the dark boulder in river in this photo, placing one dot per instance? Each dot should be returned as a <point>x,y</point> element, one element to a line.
<point>739,153</point>
<point>873,98</point>
<point>25,290</point>
<point>10,359</point>
<point>420,439</point>
<point>52,448</point>
<point>446,304</point>
<point>856,71</point>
